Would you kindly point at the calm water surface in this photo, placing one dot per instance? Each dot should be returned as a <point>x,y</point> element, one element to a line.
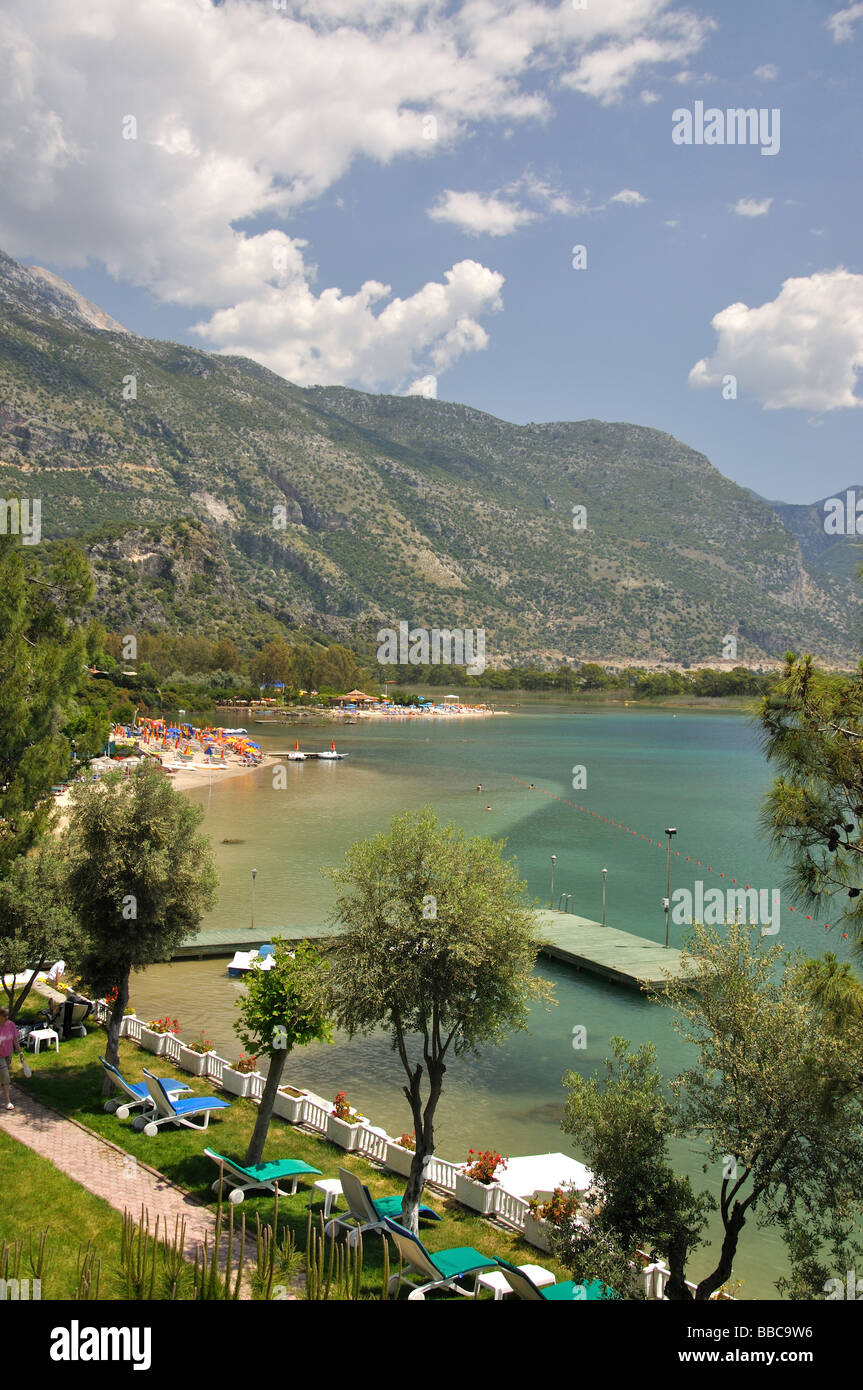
<point>646,769</point>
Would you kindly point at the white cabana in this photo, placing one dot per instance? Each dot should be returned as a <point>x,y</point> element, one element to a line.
<point>543,1173</point>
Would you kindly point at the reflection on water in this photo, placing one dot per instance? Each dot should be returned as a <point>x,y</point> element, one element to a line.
<point>645,769</point>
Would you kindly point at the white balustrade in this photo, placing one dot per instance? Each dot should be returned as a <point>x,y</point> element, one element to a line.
<point>511,1209</point>
<point>439,1172</point>
<point>215,1066</point>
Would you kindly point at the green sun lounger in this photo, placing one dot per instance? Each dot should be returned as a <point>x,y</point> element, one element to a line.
<point>566,1292</point>
<point>368,1213</point>
<point>264,1175</point>
<point>438,1269</point>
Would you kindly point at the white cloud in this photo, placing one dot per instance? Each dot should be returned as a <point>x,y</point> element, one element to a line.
<point>336,337</point>
<point>842,23</point>
<point>606,71</point>
<point>750,207</point>
<point>247,113</point>
<point>802,350</point>
<point>649,97</point>
<point>500,214</point>
<point>478,214</point>
<point>768,72</point>
<point>672,223</point>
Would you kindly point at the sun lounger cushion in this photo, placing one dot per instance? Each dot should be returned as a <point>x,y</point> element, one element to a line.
<point>184,1107</point>
<point>462,1259</point>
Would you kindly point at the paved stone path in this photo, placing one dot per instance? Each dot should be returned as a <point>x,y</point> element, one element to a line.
<point>109,1172</point>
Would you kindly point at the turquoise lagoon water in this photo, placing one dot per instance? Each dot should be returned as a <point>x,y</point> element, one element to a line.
<point>646,768</point>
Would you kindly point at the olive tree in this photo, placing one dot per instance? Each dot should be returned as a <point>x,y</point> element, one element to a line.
<point>141,877</point>
<point>37,925</point>
<point>283,1007</point>
<point>437,947</point>
<point>775,1101</point>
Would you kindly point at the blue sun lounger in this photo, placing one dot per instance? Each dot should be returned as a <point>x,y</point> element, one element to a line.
<point>188,1112</point>
<point>439,1269</point>
<point>265,1175</point>
<point>136,1094</point>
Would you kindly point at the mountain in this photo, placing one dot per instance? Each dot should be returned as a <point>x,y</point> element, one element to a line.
<point>838,556</point>
<point>212,494</point>
<point>35,289</point>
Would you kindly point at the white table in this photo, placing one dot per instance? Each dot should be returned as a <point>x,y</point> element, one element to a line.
<point>332,1190</point>
<point>43,1035</point>
<point>497,1282</point>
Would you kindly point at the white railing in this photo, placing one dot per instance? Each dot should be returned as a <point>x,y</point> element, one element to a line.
<point>442,1173</point>
<point>315,1115</point>
<point>511,1209</point>
<point>373,1144</point>
<point>655,1276</point>
<point>215,1066</point>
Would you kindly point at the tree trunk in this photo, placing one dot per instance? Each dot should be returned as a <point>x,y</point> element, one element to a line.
<point>112,1046</point>
<point>722,1272</point>
<point>675,1289</point>
<point>16,1002</point>
<point>424,1131</point>
<point>255,1151</point>
<point>421,1159</point>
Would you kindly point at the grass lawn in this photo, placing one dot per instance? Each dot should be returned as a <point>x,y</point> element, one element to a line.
<point>71,1081</point>
<point>37,1195</point>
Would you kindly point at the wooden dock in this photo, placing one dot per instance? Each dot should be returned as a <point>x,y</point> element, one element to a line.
<point>613,955</point>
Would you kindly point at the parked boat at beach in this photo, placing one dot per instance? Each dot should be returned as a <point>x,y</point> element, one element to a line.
<point>330,754</point>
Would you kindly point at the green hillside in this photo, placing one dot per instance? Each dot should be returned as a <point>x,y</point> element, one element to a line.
<point>224,498</point>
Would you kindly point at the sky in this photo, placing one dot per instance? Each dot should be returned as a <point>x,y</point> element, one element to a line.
<point>503,203</point>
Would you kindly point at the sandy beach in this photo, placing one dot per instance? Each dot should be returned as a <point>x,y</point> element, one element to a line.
<point>184,779</point>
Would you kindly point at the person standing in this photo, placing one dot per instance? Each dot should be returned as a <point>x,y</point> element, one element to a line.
<point>8,1044</point>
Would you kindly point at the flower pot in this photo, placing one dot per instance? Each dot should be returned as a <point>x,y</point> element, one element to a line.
<point>537,1232</point>
<point>239,1083</point>
<point>479,1196</point>
<point>154,1042</point>
<point>290,1107</point>
<point>343,1132</point>
<point>399,1159</point>
<point>193,1062</point>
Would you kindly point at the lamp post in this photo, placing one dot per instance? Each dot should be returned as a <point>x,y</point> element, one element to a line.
<point>670,831</point>
<point>604,877</point>
<point>254,876</point>
<point>553,862</point>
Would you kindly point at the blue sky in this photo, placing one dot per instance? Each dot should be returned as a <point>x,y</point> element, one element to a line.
<point>388,193</point>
